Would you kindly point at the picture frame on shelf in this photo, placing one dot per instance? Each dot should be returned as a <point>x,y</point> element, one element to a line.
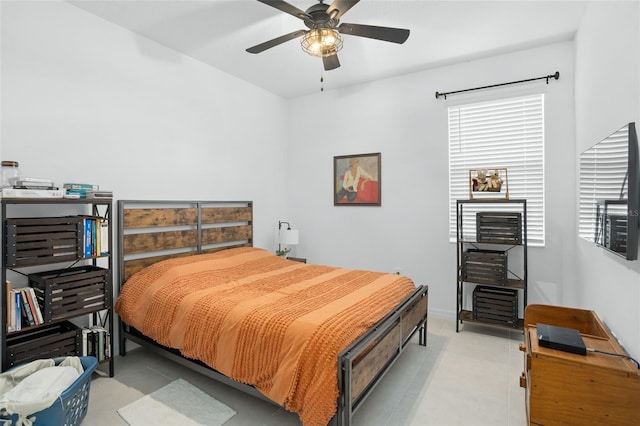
<point>357,180</point>
<point>491,183</point>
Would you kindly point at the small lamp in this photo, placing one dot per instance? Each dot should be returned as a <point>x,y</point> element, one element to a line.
<point>286,237</point>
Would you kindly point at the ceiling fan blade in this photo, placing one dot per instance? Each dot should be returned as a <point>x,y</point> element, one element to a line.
<point>287,8</point>
<point>276,41</point>
<point>394,35</point>
<point>341,6</point>
<point>330,62</point>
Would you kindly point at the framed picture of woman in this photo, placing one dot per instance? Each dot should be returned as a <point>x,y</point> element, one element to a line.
<point>356,180</point>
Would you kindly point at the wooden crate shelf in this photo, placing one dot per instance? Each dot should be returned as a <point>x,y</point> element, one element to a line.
<point>499,227</point>
<point>65,293</point>
<point>485,266</point>
<point>496,305</point>
<point>61,339</point>
<point>37,241</point>
<point>467,316</point>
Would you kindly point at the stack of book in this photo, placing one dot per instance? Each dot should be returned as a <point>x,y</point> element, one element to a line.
<point>32,188</point>
<point>79,190</point>
<point>95,236</point>
<point>96,341</point>
<point>23,308</point>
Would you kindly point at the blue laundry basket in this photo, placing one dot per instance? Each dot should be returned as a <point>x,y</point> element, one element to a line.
<point>71,407</point>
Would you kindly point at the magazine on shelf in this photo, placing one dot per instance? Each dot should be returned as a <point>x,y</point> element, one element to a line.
<point>33,182</point>
<point>50,188</point>
<point>32,193</point>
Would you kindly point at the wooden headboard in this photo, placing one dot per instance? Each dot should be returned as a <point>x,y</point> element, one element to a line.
<point>151,231</point>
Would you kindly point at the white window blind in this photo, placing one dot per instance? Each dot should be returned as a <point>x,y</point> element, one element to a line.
<point>603,176</point>
<point>505,133</point>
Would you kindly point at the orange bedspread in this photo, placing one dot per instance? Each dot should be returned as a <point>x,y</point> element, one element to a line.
<point>263,320</point>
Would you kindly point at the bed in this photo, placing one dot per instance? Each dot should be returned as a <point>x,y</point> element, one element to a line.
<point>314,339</point>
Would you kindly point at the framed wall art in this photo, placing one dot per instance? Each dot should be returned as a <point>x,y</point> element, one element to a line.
<point>488,184</point>
<point>356,180</point>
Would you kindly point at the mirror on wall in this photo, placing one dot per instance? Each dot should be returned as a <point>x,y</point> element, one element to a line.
<point>610,192</point>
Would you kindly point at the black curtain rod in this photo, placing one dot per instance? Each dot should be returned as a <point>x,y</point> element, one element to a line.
<point>546,77</point>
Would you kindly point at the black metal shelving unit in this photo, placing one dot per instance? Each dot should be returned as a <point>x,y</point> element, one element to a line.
<point>494,279</point>
<point>12,209</point>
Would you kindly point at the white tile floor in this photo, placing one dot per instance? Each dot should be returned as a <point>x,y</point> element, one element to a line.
<point>466,378</point>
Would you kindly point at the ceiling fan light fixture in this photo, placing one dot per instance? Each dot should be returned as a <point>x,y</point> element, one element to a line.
<point>321,42</point>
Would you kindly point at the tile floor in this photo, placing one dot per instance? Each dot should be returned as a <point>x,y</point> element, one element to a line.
<point>466,378</point>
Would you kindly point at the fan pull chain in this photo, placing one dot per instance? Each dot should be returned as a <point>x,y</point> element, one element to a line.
<point>322,79</point>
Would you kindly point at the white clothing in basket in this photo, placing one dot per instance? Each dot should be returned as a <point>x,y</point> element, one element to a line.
<point>35,386</point>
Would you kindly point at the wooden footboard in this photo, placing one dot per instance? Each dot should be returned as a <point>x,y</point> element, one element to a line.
<point>150,231</point>
<point>363,364</point>
<point>360,367</point>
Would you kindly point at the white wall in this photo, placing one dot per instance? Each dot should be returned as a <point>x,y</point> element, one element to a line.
<point>84,100</point>
<point>401,118</point>
<point>607,97</point>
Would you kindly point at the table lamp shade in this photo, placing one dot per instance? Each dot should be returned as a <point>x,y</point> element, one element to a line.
<point>289,236</point>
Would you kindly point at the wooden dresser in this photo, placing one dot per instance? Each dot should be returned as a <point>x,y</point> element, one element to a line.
<point>569,389</point>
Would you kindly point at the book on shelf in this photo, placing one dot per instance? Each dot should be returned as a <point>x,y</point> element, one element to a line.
<point>23,309</point>
<point>13,310</point>
<point>85,341</point>
<point>84,187</point>
<point>99,194</point>
<point>79,190</point>
<point>77,194</point>
<point>104,238</point>
<point>96,341</point>
<point>36,305</point>
<point>95,236</point>
<point>88,236</point>
<point>29,307</point>
<point>49,188</point>
<point>18,315</point>
<point>32,193</point>
<point>107,344</point>
<point>32,306</point>
<point>26,309</point>
<point>101,334</point>
<point>10,304</point>
<point>33,181</point>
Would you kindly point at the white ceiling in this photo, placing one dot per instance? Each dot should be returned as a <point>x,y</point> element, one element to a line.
<point>217,32</point>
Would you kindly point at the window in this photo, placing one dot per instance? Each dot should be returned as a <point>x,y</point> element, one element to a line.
<point>506,133</point>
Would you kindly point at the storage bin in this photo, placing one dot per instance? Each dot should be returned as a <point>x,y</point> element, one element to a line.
<point>37,241</point>
<point>56,340</point>
<point>485,266</point>
<point>71,407</point>
<point>499,227</point>
<point>496,305</point>
<point>65,293</point>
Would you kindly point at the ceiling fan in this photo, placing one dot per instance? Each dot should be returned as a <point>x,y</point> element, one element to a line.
<point>323,37</point>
